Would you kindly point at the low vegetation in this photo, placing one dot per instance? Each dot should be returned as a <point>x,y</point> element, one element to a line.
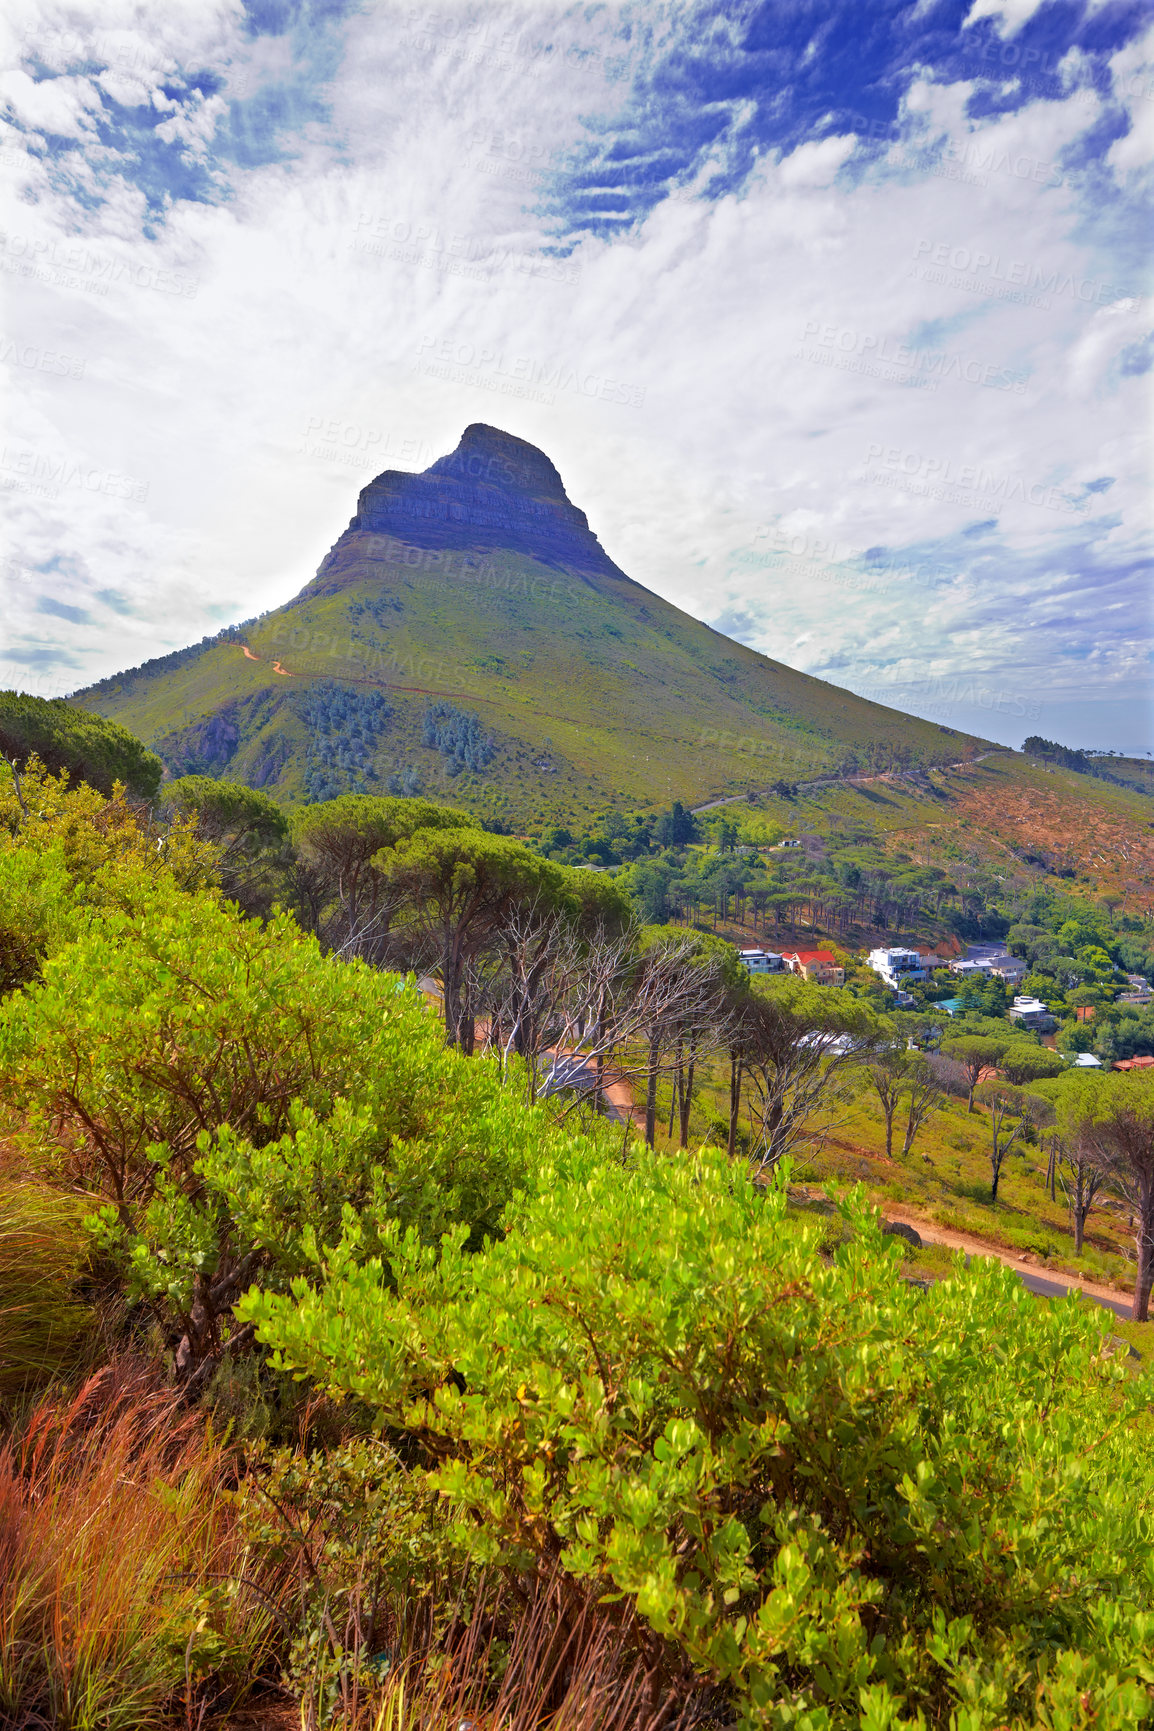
<point>416,1308</point>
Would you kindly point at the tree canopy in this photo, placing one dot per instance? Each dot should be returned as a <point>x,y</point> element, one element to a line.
<point>67,739</point>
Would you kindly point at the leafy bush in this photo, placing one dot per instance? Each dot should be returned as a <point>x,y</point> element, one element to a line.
<point>847,1501</point>
<point>34,898</point>
<point>355,1540</point>
<point>66,853</point>
<point>232,1097</point>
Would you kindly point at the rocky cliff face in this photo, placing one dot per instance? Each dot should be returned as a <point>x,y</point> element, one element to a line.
<point>494,492</point>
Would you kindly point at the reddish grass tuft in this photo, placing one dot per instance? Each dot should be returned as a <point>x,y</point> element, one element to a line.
<point>123,1595</point>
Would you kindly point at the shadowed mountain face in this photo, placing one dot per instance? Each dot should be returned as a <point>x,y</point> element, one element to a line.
<point>469,637</point>
<point>493,492</point>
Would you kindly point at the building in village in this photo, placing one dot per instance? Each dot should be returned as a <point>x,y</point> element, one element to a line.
<point>819,965</point>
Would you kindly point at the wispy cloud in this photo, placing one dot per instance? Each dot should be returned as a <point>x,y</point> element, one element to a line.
<point>835,321</point>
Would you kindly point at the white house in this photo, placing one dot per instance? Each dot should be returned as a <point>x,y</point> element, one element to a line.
<point>897,967</point>
<point>1031,1012</point>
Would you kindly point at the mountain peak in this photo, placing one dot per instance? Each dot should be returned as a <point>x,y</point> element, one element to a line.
<point>488,454</point>
<point>494,493</point>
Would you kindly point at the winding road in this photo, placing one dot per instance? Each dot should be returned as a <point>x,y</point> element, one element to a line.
<point>849,781</point>
<point>1049,1285</point>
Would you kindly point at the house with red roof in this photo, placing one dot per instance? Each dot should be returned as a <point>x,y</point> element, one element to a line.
<point>819,965</point>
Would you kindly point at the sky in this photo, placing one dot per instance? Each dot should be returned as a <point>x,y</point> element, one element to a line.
<point>835,318</point>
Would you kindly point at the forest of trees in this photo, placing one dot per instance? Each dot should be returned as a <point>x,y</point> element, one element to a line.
<point>344,726</point>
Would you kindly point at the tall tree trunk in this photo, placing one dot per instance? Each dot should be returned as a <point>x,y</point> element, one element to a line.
<point>1144,1277</point>
<point>735,1068</point>
<point>675,1086</point>
<point>913,1125</point>
<point>449,988</point>
<point>687,1095</point>
<point>651,1091</point>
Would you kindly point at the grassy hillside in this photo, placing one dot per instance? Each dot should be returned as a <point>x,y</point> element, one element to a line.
<point>1016,818</point>
<point>594,691</point>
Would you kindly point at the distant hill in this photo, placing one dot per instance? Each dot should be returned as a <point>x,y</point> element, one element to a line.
<point>1111,766</point>
<point>468,633</point>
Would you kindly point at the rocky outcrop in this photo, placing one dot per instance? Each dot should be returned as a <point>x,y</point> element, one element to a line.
<point>205,747</point>
<point>494,492</point>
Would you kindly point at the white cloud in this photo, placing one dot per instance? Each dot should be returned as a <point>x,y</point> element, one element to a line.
<point>129,91</point>
<point>1008,15</point>
<point>62,106</point>
<point>1132,72</point>
<point>817,164</point>
<point>788,366</point>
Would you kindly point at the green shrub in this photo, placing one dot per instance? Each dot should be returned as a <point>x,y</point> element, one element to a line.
<point>230,1095</point>
<point>67,854</point>
<point>355,1541</point>
<point>845,1500</point>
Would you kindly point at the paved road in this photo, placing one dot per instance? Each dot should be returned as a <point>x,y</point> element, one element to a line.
<point>568,1070</point>
<point>1051,1289</point>
<point>931,1233</point>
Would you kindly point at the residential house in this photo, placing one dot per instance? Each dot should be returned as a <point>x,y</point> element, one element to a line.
<point>1031,1013</point>
<point>1134,1063</point>
<point>819,965</point>
<point>991,959</point>
<point>761,961</point>
<point>897,967</point>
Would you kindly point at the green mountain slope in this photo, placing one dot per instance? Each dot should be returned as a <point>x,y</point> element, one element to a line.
<point>556,681</point>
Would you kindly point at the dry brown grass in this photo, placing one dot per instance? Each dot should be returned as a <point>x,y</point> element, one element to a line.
<point>124,1591</point>
<point>43,1329</point>
<point>546,1654</point>
<point>133,1594</point>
